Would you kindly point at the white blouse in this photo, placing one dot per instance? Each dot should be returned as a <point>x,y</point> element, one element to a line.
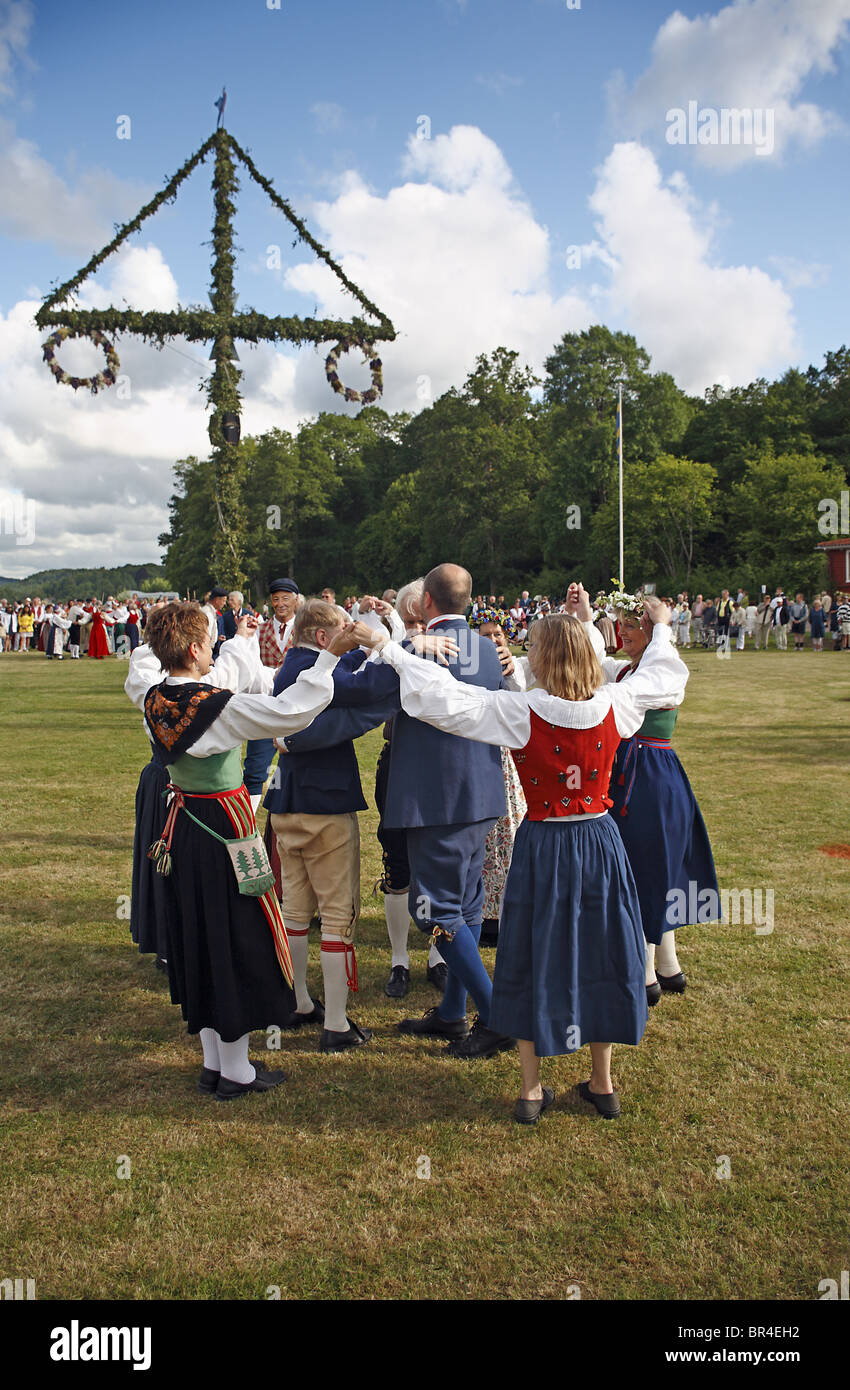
<point>238,667</point>
<point>503,717</point>
<point>246,715</point>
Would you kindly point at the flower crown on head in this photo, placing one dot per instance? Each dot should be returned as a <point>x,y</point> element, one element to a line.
<point>494,615</point>
<point>629,605</point>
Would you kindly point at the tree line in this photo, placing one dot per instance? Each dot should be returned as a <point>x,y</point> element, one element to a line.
<point>515,477</point>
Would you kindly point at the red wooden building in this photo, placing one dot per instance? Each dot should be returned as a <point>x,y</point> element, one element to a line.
<point>838,555</point>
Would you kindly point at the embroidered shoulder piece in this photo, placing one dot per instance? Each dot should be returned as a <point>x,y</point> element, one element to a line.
<point>179,715</point>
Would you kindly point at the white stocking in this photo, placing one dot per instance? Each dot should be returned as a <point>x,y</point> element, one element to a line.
<point>336,987</point>
<point>434,957</point>
<point>667,960</point>
<point>650,962</point>
<point>234,1060</point>
<point>209,1042</point>
<point>299,947</point>
<point>398,923</point>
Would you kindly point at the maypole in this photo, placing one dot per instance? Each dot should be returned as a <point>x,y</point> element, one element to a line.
<point>621,570</point>
<point>219,325</point>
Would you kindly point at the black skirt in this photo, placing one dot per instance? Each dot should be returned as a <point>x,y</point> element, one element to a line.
<point>222,965</point>
<point>152,903</point>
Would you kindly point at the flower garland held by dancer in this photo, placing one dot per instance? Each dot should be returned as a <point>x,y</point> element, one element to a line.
<point>229,965</point>
<point>569,969</point>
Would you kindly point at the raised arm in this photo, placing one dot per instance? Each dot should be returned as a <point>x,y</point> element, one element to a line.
<point>430,693</point>
<point>271,716</point>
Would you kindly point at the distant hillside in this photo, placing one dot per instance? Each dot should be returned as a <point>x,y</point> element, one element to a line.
<point>60,584</point>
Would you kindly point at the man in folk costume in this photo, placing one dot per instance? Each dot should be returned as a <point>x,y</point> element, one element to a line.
<point>448,793</point>
<point>275,640</point>
<point>229,965</point>
<point>313,807</point>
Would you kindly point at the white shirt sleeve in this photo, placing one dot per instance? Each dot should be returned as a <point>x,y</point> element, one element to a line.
<point>237,668</point>
<point>658,682</point>
<point>430,693</point>
<point>521,677</point>
<point>271,716</point>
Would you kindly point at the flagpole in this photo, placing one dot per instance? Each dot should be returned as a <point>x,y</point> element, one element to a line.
<point>622,576</point>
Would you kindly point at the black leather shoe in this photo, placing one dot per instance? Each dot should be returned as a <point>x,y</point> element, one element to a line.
<point>208,1081</point>
<point>673,984</point>
<point>437,975</point>
<point>528,1112</point>
<point>398,985</point>
<point>354,1036</point>
<point>263,1081</point>
<point>431,1025</point>
<point>296,1020</point>
<point>480,1042</point>
<point>653,993</point>
<point>609,1105</point>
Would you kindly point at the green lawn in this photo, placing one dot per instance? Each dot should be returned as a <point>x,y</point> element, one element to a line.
<point>314,1187</point>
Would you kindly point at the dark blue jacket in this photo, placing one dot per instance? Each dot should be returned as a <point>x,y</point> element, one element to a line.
<point>326,781</point>
<point>442,779</point>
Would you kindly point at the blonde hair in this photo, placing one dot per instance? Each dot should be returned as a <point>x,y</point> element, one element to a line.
<point>313,614</point>
<point>171,630</point>
<point>565,663</point>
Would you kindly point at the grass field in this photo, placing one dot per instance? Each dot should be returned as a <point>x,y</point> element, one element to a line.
<point>314,1188</point>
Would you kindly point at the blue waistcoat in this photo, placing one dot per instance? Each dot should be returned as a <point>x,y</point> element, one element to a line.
<point>442,779</point>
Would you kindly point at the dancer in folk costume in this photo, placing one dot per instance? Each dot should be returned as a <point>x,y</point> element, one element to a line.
<point>98,645</point>
<point>657,813</point>
<point>275,639</point>
<point>58,625</point>
<point>229,964</point>
<point>569,968</point>
<point>501,629</point>
<point>151,902</point>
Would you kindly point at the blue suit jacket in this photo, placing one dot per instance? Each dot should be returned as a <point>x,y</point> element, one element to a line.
<point>442,779</point>
<point>326,781</point>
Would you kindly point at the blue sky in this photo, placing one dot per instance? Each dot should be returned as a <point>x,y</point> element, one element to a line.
<point>547,131</point>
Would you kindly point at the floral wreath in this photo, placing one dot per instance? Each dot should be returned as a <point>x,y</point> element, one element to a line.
<point>627,605</point>
<point>375,366</point>
<point>494,615</point>
<point>107,378</point>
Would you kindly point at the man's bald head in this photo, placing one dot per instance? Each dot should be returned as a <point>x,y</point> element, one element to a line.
<point>450,588</point>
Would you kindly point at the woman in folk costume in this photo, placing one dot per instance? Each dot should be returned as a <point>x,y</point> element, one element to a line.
<point>151,903</point>
<point>228,964</point>
<point>501,629</point>
<point>98,645</point>
<point>569,968</point>
<point>657,813</point>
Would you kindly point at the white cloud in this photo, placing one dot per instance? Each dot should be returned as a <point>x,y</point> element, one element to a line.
<point>751,55</point>
<point>328,116</point>
<point>701,322</point>
<point>16,18</point>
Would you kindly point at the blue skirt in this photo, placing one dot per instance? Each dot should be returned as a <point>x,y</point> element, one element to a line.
<point>665,837</point>
<point>570,962</point>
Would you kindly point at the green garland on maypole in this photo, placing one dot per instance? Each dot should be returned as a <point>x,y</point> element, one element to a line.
<point>220,325</point>
<point>223,390</point>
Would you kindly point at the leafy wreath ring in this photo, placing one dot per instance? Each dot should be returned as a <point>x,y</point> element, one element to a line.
<point>375,366</point>
<point>107,378</point>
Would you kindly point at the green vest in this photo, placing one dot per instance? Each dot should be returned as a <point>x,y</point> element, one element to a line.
<point>220,772</point>
<point>659,723</point>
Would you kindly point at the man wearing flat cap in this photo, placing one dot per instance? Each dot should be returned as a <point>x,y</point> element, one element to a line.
<point>275,638</point>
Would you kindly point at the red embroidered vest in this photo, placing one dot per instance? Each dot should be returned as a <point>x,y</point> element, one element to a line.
<point>565,772</point>
<point>271,652</point>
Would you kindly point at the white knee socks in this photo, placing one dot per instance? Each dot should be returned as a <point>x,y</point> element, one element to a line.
<point>666,958</point>
<point>434,957</point>
<point>336,987</point>
<point>398,922</point>
<point>234,1060</point>
<point>209,1042</point>
<point>297,935</point>
<point>649,956</point>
